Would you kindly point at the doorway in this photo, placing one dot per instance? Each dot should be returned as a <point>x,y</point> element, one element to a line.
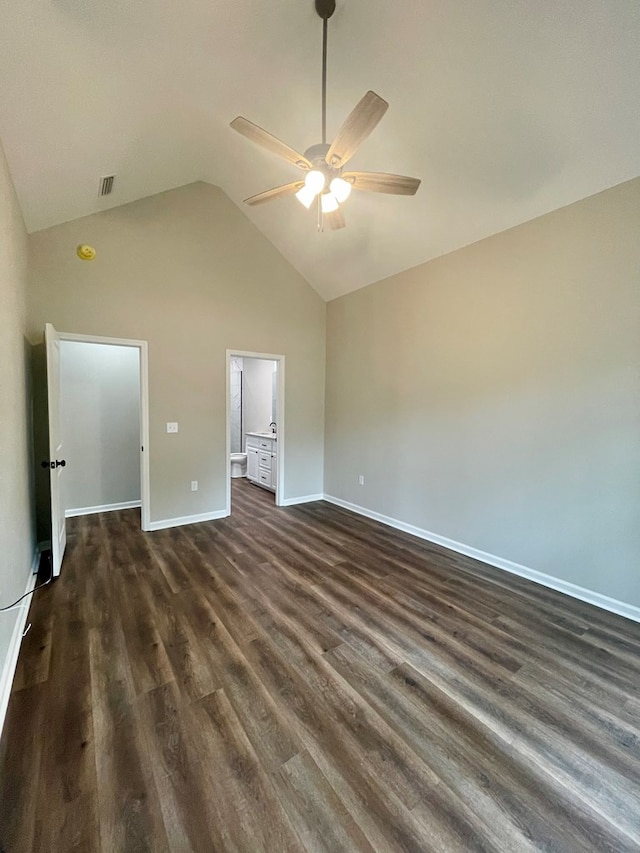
<point>100,422</point>
<point>94,385</point>
<point>255,417</point>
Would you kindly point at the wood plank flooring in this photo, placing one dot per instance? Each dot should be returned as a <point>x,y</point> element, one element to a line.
<point>304,679</point>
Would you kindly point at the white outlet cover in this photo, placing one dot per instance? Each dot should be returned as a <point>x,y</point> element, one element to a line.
<point>172,427</point>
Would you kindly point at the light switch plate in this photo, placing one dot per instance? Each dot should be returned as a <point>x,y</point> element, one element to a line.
<point>172,427</point>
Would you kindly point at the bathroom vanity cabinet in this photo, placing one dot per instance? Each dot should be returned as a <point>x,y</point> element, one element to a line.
<point>262,459</point>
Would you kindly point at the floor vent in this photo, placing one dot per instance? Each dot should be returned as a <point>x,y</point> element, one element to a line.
<point>106,185</point>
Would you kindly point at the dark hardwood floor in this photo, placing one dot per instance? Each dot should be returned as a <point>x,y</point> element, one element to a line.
<point>305,679</point>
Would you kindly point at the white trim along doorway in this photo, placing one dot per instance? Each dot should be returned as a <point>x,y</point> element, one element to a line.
<point>236,353</point>
<point>145,509</point>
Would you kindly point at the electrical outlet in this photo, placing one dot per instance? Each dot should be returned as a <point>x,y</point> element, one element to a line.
<point>194,485</point>
<point>172,427</point>
<point>361,479</point>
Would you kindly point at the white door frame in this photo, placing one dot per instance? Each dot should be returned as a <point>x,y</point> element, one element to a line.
<point>145,509</point>
<point>231,353</point>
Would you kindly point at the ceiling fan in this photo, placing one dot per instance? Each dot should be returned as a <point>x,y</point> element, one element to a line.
<point>325,181</point>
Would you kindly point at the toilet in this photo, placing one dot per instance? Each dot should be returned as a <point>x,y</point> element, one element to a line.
<point>238,464</point>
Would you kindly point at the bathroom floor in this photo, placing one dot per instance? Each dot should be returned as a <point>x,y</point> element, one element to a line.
<point>247,499</point>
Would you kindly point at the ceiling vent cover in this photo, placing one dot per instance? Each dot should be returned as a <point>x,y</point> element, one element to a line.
<point>106,185</point>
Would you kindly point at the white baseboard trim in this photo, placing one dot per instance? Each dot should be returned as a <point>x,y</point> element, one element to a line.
<point>164,523</point>
<point>603,601</point>
<point>304,499</point>
<point>90,510</point>
<point>11,660</point>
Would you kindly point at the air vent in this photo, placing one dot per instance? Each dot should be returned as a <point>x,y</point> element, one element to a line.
<point>106,185</point>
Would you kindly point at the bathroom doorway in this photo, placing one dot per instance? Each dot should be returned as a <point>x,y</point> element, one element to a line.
<point>255,422</point>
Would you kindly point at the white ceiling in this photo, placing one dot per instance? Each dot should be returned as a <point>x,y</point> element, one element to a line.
<point>506,109</point>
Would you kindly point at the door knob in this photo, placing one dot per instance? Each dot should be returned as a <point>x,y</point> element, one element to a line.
<point>56,463</point>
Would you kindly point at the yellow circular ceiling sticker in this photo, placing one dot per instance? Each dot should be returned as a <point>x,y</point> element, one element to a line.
<point>85,253</point>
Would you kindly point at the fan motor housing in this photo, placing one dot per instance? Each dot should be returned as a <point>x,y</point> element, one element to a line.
<point>317,152</point>
<point>317,156</point>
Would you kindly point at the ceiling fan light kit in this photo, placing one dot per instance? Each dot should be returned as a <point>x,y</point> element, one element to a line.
<point>324,163</point>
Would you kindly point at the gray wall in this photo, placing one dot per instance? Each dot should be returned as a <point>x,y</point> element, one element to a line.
<point>17,529</point>
<point>187,271</point>
<point>492,396</point>
<point>100,412</point>
<point>257,384</point>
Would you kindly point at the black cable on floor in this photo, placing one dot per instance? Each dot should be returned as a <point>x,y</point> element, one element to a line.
<point>45,558</point>
<point>9,606</point>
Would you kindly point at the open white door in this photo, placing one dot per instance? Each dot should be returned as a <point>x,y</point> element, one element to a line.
<point>56,461</point>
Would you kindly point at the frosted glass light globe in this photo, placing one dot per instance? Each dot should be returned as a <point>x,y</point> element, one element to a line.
<point>340,188</point>
<point>305,196</point>
<point>314,180</point>
<point>329,202</point>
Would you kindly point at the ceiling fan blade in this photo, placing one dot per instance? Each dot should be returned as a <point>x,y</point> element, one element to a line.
<point>334,220</point>
<point>271,143</point>
<point>356,127</point>
<point>380,182</point>
<point>276,192</point>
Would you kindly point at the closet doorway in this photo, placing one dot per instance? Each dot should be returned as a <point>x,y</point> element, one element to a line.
<point>98,427</point>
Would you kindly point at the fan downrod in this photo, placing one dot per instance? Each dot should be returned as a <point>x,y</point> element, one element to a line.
<point>325,8</point>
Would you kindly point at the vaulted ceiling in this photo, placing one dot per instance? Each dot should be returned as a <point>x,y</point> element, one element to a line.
<point>505,110</point>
